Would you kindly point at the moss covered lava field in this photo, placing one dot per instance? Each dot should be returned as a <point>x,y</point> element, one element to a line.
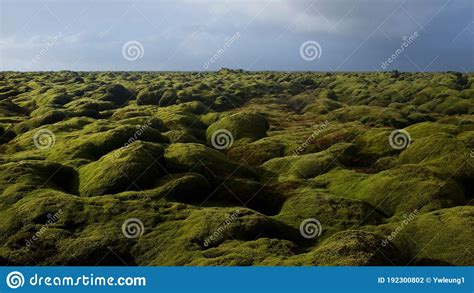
<point>236,168</point>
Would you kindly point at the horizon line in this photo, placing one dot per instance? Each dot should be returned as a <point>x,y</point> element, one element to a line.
<point>231,69</point>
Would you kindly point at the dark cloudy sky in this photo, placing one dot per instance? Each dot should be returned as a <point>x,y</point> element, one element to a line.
<point>344,35</point>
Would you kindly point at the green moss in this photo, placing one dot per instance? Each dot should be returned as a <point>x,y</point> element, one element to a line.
<point>334,134</point>
<point>385,163</point>
<point>184,157</point>
<point>247,193</point>
<point>371,116</point>
<point>443,243</point>
<point>348,248</point>
<point>186,187</point>
<point>246,127</point>
<point>318,148</point>
<point>455,106</point>
<point>425,129</point>
<point>396,191</point>
<point>18,178</point>
<point>147,97</point>
<point>374,144</point>
<point>262,251</point>
<point>49,117</point>
<point>194,233</point>
<point>408,188</point>
<point>134,166</point>
<point>117,94</point>
<point>168,98</point>
<point>257,152</point>
<point>342,182</point>
<point>10,109</point>
<point>88,106</point>
<point>467,138</point>
<point>334,213</point>
<point>96,143</point>
<point>59,97</point>
<point>308,165</point>
<point>442,152</point>
<point>140,121</point>
<point>357,248</point>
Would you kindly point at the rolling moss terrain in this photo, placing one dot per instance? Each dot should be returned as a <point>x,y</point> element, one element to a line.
<point>225,168</point>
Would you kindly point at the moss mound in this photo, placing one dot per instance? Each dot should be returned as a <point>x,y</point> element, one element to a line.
<point>351,248</point>
<point>186,187</point>
<point>335,213</point>
<point>306,166</point>
<point>442,152</point>
<point>149,97</point>
<point>19,178</point>
<point>117,94</point>
<point>203,230</point>
<point>449,241</point>
<point>132,167</point>
<point>186,157</point>
<point>244,127</point>
<point>408,188</point>
<point>258,152</point>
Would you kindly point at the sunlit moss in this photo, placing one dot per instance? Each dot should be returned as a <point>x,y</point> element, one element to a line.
<point>304,145</point>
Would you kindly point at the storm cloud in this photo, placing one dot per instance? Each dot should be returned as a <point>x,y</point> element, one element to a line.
<point>189,34</point>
